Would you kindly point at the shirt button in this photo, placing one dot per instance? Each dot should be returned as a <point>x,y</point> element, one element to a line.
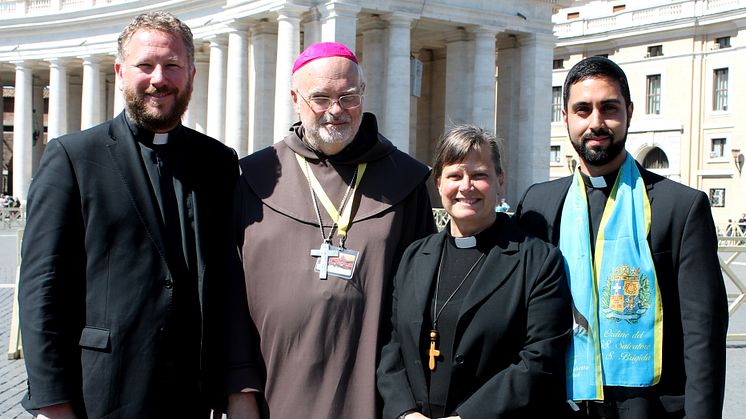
<point>459,359</point>
<point>168,284</point>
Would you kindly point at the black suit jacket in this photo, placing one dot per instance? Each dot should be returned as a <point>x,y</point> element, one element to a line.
<point>96,288</point>
<point>513,328</point>
<point>683,243</point>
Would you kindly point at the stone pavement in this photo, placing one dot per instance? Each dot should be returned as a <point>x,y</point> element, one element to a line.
<point>13,372</point>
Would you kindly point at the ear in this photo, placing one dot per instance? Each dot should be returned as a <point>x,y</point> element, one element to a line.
<point>501,183</point>
<point>564,117</point>
<point>296,105</point>
<point>118,72</point>
<point>630,108</point>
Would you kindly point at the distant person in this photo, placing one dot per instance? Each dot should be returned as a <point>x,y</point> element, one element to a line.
<point>481,315</point>
<point>503,206</point>
<point>649,302</point>
<point>127,221</point>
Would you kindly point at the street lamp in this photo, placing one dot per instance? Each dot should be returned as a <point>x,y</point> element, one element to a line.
<point>571,163</point>
<point>737,159</point>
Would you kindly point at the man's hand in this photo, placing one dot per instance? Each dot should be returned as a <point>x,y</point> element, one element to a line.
<point>57,411</point>
<point>415,415</point>
<point>242,406</point>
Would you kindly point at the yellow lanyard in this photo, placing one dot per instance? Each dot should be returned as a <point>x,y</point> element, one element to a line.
<point>343,222</point>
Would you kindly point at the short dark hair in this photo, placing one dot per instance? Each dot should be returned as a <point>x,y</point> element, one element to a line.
<point>159,21</point>
<point>596,67</point>
<point>458,141</point>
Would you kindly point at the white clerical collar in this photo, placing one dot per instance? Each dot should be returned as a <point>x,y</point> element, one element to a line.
<point>465,242</point>
<point>160,138</point>
<point>597,181</point>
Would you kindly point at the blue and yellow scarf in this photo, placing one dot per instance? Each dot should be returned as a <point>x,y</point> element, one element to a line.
<point>618,316</point>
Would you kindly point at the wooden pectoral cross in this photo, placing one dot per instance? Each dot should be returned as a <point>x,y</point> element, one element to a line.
<point>433,352</point>
<point>324,252</point>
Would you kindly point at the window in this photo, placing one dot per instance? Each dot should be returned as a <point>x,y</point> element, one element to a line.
<point>717,148</point>
<point>618,8</point>
<point>554,154</point>
<point>717,197</point>
<point>557,64</point>
<point>573,15</point>
<point>655,51</point>
<point>720,90</point>
<point>655,159</point>
<point>653,104</point>
<point>556,103</point>
<point>722,42</point>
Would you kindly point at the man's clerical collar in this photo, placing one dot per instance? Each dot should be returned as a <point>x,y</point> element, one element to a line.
<point>600,182</point>
<point>160,138</point>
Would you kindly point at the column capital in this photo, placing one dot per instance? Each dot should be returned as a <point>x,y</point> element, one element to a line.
<point>399,19</point>
<point>216,40</point>
<point>539,39</point>
<point>456,35</point>
<point>91,59</point>
<point>373,24</point>
<point>485,31</point>
<point>337,9</point>
<point>59,61</point>
<point>264,28</point>
<point>21,64</point>
<point>238,25</point>
<point>290,11</point>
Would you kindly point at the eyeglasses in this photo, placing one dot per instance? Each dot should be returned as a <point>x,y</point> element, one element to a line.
<point>323,103</point>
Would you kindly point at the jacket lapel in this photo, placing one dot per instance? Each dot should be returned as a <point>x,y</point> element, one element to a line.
<point>498,267</point>
<point>125,156</point>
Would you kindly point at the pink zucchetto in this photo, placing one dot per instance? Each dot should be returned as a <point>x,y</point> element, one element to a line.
<point>323,50</point>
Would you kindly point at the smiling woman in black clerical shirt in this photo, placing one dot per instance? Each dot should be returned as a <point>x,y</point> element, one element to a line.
<point>481,311</point>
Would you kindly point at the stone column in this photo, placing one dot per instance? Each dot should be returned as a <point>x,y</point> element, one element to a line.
<point>237,90</point>
<point>396,113</point>
<point>92,102</point>
<point>373,58</point>
<point>262,82</point>
<point>22,130</point>
<point>37,123</point>
<point>338,23</point>
<point>288,49</point>
<point>524,105</point>
<point>459,78</point>
<point>58,84</point>
<point>118,96</point>
<point>312,28</point>
<point>216,90</point>
<point>196,115</point>
<point>483,108</point>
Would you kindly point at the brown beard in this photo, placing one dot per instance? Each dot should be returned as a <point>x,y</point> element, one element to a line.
<point>143,117</point>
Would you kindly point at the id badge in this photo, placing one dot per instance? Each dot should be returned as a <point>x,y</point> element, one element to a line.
<point>342,266</point>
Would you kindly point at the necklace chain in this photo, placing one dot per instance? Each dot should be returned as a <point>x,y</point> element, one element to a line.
<point>436,312</point>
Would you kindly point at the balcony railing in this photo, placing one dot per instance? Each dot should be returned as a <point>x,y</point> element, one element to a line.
<point>641,17</point>
<point>21,8</point>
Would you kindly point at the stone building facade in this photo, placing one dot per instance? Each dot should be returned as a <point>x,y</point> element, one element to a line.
<point>428,64</point>
<point>682,59</point>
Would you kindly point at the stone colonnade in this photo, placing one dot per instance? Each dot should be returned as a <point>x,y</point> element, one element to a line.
<point>241,92</point>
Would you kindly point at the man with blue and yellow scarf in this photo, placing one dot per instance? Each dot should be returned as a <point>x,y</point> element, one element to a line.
<point>649,304</point>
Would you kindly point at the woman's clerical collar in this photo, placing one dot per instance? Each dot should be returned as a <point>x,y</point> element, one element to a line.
<point>465,242</point>
<point>484,238</point>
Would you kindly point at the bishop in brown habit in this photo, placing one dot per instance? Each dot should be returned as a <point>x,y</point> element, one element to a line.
<point>323,218</point>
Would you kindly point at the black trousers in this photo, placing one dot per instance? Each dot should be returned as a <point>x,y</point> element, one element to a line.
<point>625,403</point>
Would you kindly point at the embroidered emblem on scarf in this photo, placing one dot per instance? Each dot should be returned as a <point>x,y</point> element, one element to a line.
<point>617,313</point>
